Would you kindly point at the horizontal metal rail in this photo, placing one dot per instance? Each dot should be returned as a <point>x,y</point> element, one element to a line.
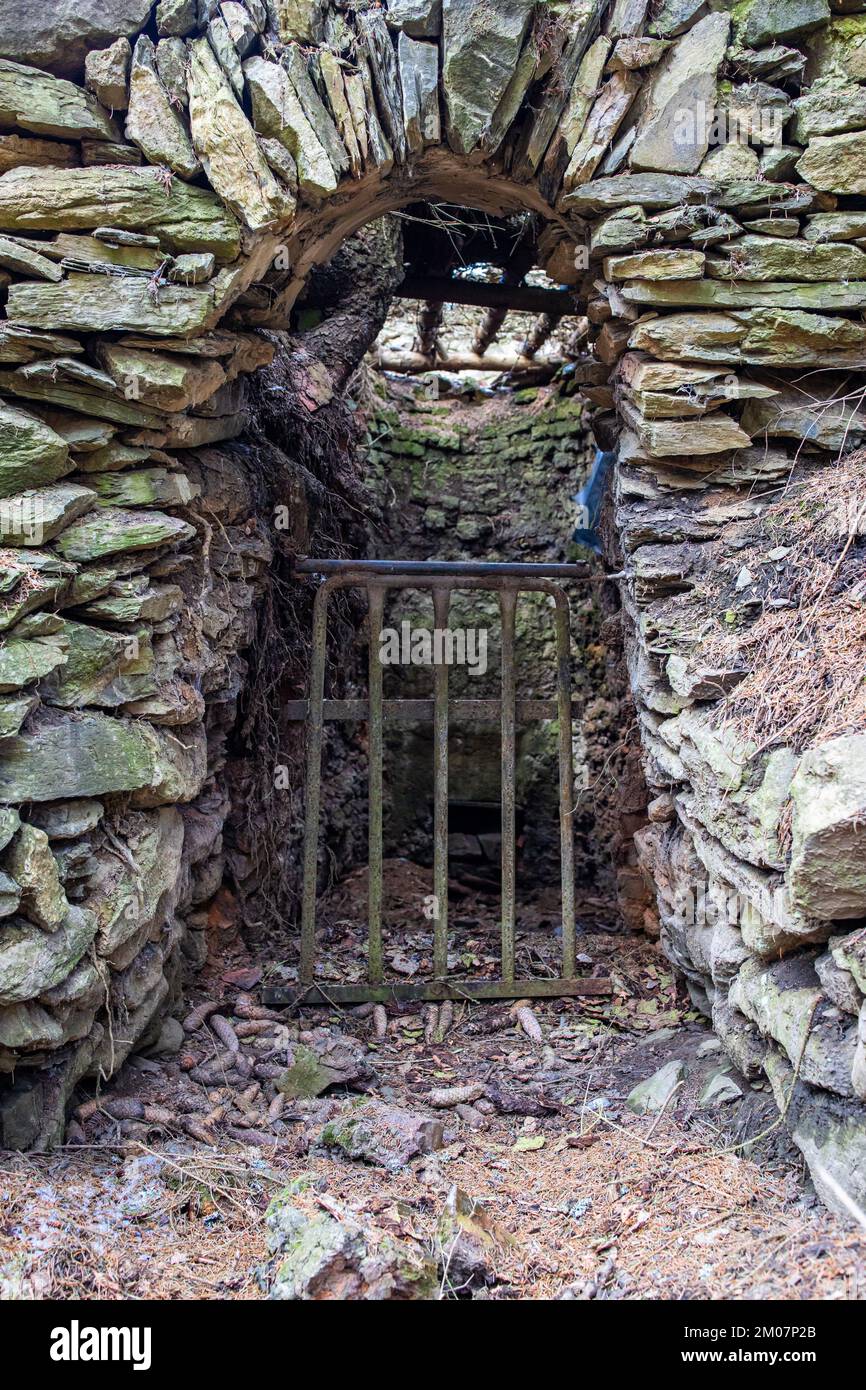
<point>421,710</point>
<point>442,578</point>
<point>461,569</point>
<point>281,996</point>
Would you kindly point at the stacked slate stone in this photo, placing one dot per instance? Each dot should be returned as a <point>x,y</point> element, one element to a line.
<point>728,283</point>
<point>171,172</point>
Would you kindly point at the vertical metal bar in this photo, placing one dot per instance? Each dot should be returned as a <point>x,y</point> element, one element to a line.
<point>566,780</point>
<point>376,597</point>
<point>441,605</point>
<point>508,609</point>
<point>315,726</point>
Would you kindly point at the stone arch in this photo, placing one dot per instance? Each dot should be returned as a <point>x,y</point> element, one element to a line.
<point>171,173</point>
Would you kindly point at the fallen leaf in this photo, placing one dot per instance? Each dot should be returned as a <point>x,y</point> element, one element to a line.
<point>243,978</point>
<point>580,1141</point>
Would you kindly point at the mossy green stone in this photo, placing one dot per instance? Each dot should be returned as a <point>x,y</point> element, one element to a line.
<point>85,755</point>
<point>143,487</point>
<point>164,381</point>
<point>10,895</point>
<point>97,303</point>
<point>837,51</point>
<point>185,218</point>
<point>30,862</point>
<point>22,661</point>
<point>111,530</point>
<point>9,823</point>
<point>38,515</point>
<point>45,105</point>
<point>13,713</point>
<point>31,453</point>
<point>90,584</point>
<point>306,1077</point>
<point>32,960</point>
<point>93,658</point>
<point>66,820</point>
<point>226,143</point>
<point>27,1027</point>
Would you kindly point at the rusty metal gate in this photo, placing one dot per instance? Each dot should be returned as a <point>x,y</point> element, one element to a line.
<point>441,578</point>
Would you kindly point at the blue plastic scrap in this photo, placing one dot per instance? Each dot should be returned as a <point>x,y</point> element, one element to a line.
<point>590,500</point>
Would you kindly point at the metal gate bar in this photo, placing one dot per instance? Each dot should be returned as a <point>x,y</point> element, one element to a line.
<point>508,613</point>
<point>374,762</point>
<point>442,578</point>
<point>441,608</point>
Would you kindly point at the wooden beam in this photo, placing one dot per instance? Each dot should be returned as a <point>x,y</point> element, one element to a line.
<point>488,332</point>
<point>413,363</point>
<point>538,335</point>
<point>427,327</point>
<point>522,298</point>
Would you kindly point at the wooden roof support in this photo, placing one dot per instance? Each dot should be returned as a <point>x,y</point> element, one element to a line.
<point>522,298</point>
<point>539,334</point>
<point>488,329</point>
<point>413,363</point>
<point>427,326</point>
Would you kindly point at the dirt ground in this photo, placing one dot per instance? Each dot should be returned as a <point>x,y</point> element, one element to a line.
<point>163,1189</point>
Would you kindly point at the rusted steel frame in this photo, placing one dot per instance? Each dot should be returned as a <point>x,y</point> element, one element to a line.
<point>414,711</point>
<point>376,601</point>
<point>444,569</point>
<point>566,768</point>
<point>282,996</point>
<point>507,611</point>
<point>419,579</point>
<point>441,606</point>
<point>566,778</point>
<point>312,802</point>
<point>347,577</point>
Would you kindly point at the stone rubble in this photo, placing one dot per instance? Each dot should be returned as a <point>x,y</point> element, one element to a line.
<point>330,1256</point>
<point>385,1135</point>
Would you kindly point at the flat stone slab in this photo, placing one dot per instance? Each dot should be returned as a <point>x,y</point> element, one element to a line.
<point>45,105</point>
<point>384,1135</point>
<point>719,1089</point>
<point>325,1058</point>
<point>184,217</point>
<point>651,1096</point>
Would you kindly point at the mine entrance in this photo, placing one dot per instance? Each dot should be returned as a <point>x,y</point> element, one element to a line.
<point>476,441</point>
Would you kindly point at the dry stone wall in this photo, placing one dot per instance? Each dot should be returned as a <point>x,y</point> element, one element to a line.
<point>171,173</point>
